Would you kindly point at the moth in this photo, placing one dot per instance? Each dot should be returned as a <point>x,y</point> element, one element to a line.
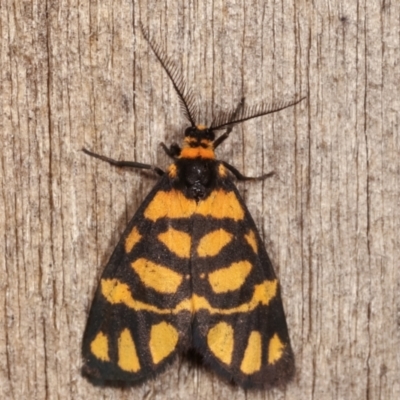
<point>190,271</point>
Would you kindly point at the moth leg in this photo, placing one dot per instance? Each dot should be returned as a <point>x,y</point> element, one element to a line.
<point>240,177</point>
<point>225,136</point>
<point>129,164</point>
<point>172,151</point>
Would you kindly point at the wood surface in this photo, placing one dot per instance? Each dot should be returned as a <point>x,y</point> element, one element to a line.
<point>79,73</point>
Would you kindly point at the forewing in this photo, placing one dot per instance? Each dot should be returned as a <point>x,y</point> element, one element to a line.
<point>139,317</point>
<point>239,325</point>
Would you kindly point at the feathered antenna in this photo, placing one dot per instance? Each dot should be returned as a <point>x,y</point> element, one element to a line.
<point>186,95</point>
<point>227,118</point>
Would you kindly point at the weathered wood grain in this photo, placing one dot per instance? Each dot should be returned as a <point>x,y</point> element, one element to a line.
<point>77,74</point>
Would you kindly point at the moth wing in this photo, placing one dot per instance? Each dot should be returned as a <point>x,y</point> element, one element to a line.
<point>134,330</point>
<point>239,325</point>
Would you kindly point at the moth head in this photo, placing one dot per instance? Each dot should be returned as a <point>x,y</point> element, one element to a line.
<point>199,135</point>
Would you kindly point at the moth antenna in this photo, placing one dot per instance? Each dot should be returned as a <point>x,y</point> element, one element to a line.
<point>186,95</point>
<point>227,118</point>
<point>225,136</point>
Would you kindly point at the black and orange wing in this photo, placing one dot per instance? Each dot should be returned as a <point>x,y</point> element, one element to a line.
<point>239,325</point>
<point>140,317</point>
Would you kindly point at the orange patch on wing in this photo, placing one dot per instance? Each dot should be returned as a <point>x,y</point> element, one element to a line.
<point>127,356</point>
<point>230,278</point>
<point>275,349</point>
<point>156,276</point>
<point>99,347</point>
<point>172,204</point>
<point>212,243</point>
<point>252,356</point>
<point>220,204</point>
<point>132,239</point>
<point>252,241</point>
<point>163,341</point>
<point>178,242</point>
<point>220,341</point>
<point>265,292</point>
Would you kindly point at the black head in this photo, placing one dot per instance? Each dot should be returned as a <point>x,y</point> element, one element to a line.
<point>199,133</point>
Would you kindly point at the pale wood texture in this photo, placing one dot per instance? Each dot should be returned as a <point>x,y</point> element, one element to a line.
<point>77,74</point>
